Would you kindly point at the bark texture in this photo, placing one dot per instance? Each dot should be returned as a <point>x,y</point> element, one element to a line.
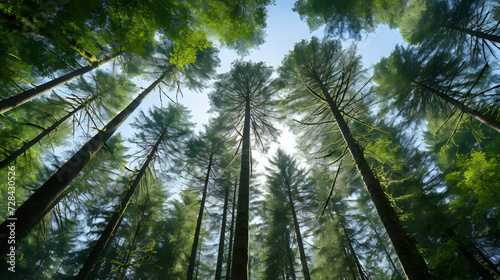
<point>303,259</point>
<point>240,251</point>
<point>194,248</point>
<point>231,235</point>
<point>464,108</point>
<point>106,235</point>
<point>43,198</point>
<point>220,254</point>
<point>37,139</point>
<point>28,95</point>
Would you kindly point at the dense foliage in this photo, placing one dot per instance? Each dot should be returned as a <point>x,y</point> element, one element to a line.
<point>393,177</point>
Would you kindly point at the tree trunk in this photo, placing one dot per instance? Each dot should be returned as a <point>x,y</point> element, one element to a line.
<point>469,256</point>
<point>478,34</point>
<point>30,211</point>
<point>39,137</point>
<point>353,252</point>
<point>192,258</point>
<point>107,267</point>
<point>413,263</point>
<point>231,231</point>
<point>12,102</point>
<point>388,255</point>
<point>115,218</point>
<point>303,259</point>
<point>352,269</point>
<point>464,108</point>
<point>286,236</point>
<point>240,251</point>
<point>220,255</point>
<point>123,269</point>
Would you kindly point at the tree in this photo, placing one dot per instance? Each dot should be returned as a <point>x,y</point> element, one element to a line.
<point>351,17</point>
<point>465,25</point>
<point>166,128</point>
<point>205,152</point>
<point>14,101</point>
<point>28,213</point>
<point>418,83</point>
<point>97,104</point>
<point>330,81</point>
<point>291,182</point>
<point>243,97</point>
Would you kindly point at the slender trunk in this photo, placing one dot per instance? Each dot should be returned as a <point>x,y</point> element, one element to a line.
<point>471,259</point>
<point>192,258</point>
<point>353,252</point>
<point>387,254</point>
<point>478,34</point>
<point>485,261</point>
<point>116,218</point>
<point>286,236</point>
<point>240,251</point>
<point>107,268</point>
<point>30,211</point>
<point>12,102</point>
<point>352,270</point>
<point>39,137</point>
<point>412,262</point>
<point>126,263</point>
<point>464,108</point>
<point>220,255</point>
<point>231,232</point>
<point>303,259</point>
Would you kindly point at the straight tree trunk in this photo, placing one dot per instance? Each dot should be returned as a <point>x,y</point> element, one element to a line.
<point>303,259</point>
<point>482,258</point>
<point>14,101</point>
<point>353,252</point>
<point>464,108</point>
<point>192,258</point>
<point>480,269</point>
<point>478,34</point>
<point>240,251</point>
<point>351,268</point>
<point>220,255</point>
<point>116,218</point>
<point>388,255</point>
<point>30,211</point>
<point>290,255</point>
<point>123,269</point>
<point>37,139</point>
<point>414,265</point>
<point>95,270</point>
<point>231,233</point>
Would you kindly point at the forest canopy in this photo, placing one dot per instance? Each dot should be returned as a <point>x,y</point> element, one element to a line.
<point>321,166</point>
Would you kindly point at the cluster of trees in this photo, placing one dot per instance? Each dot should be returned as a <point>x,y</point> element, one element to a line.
<point>175,204</point>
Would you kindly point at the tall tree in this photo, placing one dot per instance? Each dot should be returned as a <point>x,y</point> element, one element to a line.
<point>162,129</point>
<point>468,26</point>
<point>289,180</point>
<point>204,157</point>
<point>17,100</point>
<point>420,82</point>
<point>330,81</point>
<point>32,209</point>
<point>243,97</point>
<point>351,17</point>
<point>97,103</point>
